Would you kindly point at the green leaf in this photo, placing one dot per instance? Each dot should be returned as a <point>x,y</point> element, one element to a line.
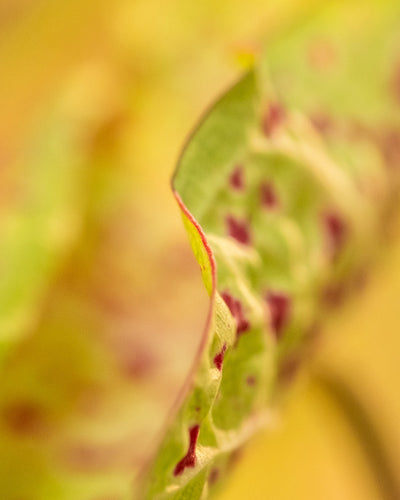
<point>38,233</point>
<point>285,190</point>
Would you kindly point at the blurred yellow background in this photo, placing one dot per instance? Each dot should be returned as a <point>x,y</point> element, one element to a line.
<point>135,76</point>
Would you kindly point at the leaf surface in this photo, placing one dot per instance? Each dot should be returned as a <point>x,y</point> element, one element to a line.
<point>285,189</point>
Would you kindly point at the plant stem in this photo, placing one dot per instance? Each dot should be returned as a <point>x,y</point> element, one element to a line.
<point>363,425</point>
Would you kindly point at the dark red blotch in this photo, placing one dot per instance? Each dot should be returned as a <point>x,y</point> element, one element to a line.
<point>214,476</point>
<point>268,195</point>
<point>279,307</point>
<point>273,118</point>
<point>219,358</point>
<point>236,309</point>
<point>323,123</point>
<point>289,368</point>
<point>189,460</point>
<point>390,147</point>
<point>336,232</point>
<point>236,179</point>
<point>24,418</point>
<point>334,295</point>
<point>238,229</point>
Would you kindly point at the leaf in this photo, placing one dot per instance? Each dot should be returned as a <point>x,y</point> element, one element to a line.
<point>40,230</point>
<point>36,236</point>
<point>285,190</point>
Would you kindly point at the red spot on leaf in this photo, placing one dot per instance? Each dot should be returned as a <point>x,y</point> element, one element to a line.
<point>214,476</point>
<point>251,380</point>
<point>279,308</point>
<point>235,456</point>
<point>135,358</point>
<point>289,368</point>
<point>238,230</point>
<point>24,418</point>
<point>138,365</point>
<point>390,146</point>
<point>322,123</point>
<point>219,358</point>
<point>336,232</point>
<point>268,196</point>
<point>236,309</point>
<point>334,295</point>
<point>273,118</point>
<point>189,460</point>
<point>236,179</point>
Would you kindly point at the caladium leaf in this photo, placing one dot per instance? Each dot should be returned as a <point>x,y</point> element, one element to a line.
<point>37,235</point>
<point>39,229</point>
<point>285,190</point>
